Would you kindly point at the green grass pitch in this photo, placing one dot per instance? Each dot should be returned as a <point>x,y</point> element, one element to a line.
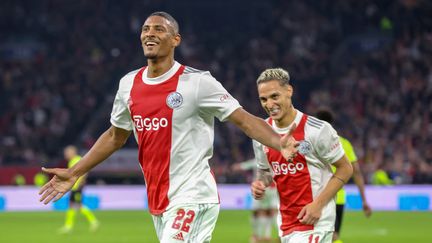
<point>232,227</point>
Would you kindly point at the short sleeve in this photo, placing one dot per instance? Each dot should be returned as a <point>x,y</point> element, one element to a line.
<point>328,146</point>
<point>214,99</point>
<point>260,156</point>
<point>120,115</point>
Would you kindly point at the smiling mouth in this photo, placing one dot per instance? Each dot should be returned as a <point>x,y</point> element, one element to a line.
<point>273,112</point>
<point>150,43</point>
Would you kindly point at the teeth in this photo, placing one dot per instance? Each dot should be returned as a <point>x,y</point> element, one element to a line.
<point>151,43</point>
<point>274,111</point>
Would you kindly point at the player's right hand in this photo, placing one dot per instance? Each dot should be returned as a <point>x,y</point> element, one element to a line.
<point>61,183</point>
<point>367,210</point>
<point>258,189</point>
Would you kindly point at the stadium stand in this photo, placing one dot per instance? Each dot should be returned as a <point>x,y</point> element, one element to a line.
<point>370,61</point>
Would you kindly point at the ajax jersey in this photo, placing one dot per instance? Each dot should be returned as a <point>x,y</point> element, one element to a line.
<point>172,117</point>
<point>302,180</point>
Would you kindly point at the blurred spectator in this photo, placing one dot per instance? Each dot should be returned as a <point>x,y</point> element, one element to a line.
<point>40,179</point>
<point>19,180</point>
<point>381,178</point>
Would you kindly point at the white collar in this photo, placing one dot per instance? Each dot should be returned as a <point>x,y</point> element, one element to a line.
<point>284,130</point>
<point>162,78</point>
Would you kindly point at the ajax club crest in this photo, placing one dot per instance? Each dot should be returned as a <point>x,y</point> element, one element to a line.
<point>174,100</point>
<point>305,147</point>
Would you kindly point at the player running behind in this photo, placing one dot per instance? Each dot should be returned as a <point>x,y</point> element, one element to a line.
<point>264,211</point>
<point>76,196</point>
<point>306,185</point>
<point>327,116</point>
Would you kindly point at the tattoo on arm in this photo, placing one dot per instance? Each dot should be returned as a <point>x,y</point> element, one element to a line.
<point>265,176</point>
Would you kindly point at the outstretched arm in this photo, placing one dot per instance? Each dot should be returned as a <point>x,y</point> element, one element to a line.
<point>359,181</point>
<point>311,213</point>
<point>256,128</point>
<point>110,141</point>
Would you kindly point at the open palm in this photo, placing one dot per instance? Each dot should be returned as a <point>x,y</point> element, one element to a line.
<point>61,183</point>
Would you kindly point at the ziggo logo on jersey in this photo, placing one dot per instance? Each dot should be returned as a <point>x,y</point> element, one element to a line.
<point>286,168</point>
<point>149,123</point>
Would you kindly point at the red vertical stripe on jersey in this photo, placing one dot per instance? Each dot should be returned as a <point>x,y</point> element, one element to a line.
<point>294,185</point>
<point>153,124</point>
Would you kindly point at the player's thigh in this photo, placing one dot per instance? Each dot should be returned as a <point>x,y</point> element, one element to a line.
<point>187,223</point>
<point>258,205</point>
<point>273,197</point>
<point>309,236</point>
<point>269,201</point>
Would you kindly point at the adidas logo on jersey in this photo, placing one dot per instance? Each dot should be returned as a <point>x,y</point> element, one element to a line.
<point>178,236</point>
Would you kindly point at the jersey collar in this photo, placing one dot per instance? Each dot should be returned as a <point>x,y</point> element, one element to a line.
<point>283,130</point>
<point>164,77</point>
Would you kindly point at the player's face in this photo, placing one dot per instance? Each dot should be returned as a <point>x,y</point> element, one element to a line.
<point>68,153</point>
<point>275,99</point>
<point>158,38</point>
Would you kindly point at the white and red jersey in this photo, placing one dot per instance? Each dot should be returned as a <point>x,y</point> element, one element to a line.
<point>172,117</point>
<point>302,180</point>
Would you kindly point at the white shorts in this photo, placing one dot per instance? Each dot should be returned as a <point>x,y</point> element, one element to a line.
<point>269,201</point>
<point>310,236</point>
<point>187,223</point>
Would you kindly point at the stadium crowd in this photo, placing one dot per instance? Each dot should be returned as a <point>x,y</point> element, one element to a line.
<point>368,61</point>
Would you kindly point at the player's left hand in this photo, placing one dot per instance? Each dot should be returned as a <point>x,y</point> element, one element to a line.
<point>289,144</point>
<point>310,214</point>
<point>367,210</point>
<point>258,189</point>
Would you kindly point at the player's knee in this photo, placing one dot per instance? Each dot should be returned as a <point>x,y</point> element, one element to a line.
<point>261,213</point>
<point>269,212</point>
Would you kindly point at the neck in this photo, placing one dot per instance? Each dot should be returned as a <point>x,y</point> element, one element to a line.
<point>157,67</point>
<point>288,119</point>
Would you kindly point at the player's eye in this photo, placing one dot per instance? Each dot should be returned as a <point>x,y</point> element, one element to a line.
<point>160,29</point>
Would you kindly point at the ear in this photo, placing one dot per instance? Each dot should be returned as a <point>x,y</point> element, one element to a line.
<point>176,40</point>
<point>290,90</point>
